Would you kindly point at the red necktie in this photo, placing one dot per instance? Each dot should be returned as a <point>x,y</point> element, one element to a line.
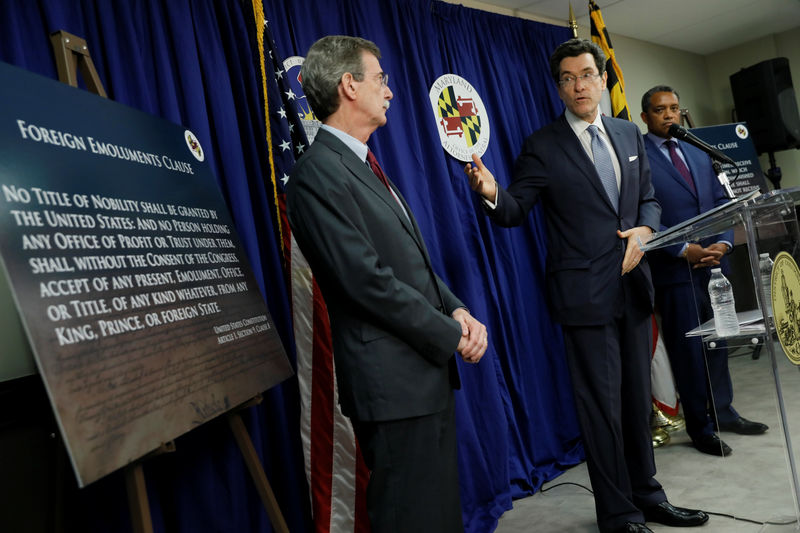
<point>378,171</point>
<point>376,168</point>
<point>680,166</point>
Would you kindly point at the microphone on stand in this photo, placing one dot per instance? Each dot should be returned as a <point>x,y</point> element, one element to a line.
<point>679,132</point>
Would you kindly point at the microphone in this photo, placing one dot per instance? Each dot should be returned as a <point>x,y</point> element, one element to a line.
<point>679,132</point>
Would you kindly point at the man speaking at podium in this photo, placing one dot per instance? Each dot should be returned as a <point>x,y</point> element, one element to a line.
<point>395,324</point>
<point>591,174</point>
<point>686,186</point>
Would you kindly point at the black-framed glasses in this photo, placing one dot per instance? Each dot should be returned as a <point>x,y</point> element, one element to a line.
<point>568,81</point>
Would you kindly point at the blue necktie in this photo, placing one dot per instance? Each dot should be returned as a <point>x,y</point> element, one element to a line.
<point>602,162</point>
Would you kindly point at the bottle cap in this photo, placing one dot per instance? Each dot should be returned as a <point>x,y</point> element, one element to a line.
<point>715,270</point>
<point>766,254</point>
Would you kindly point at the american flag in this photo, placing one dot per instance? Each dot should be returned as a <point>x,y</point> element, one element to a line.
<point>336,473</point>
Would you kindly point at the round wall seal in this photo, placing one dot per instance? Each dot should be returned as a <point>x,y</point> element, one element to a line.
<point>785,284</point>
<point>741,131</point>
<point>461,118</point>
<point>292,66</point>
<point>194,145</point>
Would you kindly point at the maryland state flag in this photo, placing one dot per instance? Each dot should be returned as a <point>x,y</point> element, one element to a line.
<point>616,83</point>
<point>459,116</point>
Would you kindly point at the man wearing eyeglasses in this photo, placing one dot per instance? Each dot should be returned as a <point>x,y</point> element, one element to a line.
<point>591,174</point>
<point>395,324</point>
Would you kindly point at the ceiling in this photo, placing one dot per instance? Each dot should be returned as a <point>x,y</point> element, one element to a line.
<point>699,26</point>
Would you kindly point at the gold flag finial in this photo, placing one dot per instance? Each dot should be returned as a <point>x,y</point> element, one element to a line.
<point>573,24</point>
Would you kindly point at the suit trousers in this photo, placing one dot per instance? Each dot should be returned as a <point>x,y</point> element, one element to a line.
<point>609,366</point>
<point>413,463</point>
<point>701,376</point>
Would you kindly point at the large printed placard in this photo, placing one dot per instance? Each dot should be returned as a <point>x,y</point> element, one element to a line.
<point>143,314</point>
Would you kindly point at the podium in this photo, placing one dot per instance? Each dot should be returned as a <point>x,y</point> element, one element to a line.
<point>766,223</point>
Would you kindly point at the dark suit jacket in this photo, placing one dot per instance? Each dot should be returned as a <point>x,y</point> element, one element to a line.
<point>393,338</point>
<point>680,203</point>
<point>584,255</point>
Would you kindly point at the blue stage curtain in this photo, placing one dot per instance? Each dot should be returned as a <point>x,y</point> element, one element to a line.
<point>516,421</point>
<point>194,63</point>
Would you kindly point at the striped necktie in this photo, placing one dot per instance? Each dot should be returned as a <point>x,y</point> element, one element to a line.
<point>605,169</point>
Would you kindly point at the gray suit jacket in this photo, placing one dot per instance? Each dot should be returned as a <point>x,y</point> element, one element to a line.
<point>393,338</point>
<point>584,254</point>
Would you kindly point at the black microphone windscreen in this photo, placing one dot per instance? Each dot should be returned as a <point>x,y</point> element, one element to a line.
<point>676,130</point>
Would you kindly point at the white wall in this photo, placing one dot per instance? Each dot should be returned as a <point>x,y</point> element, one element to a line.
<point>645,65</point>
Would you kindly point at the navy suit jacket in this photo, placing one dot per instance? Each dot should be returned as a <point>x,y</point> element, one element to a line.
<point>393,338</point>
<point>584,256</point>
<point>679,203</point>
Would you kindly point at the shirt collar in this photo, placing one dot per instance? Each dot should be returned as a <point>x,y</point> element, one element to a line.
<point>579,125</point>
<point>659,141</point>
<point>359,148</point>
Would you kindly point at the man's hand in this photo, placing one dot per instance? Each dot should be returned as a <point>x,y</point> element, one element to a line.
<point>480,179</point>
<point>710,256</point>
<point>633,253</point>
<point>474,338</point>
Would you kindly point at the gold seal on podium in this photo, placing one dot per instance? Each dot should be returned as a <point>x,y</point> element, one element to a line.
<point>785,285</point>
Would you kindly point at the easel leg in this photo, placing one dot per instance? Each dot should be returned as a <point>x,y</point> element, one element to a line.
<point>137,499</point>
<point>257,472</point>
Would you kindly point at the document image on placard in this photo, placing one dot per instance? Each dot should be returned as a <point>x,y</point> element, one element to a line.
<point>136,295</point>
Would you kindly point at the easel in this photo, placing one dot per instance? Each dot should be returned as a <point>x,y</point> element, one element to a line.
<point>71,53</point>
<point>254,465</point>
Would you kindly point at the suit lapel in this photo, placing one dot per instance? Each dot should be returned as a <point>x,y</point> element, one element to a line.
<point>666,164</point>
<point>361,171</point>
<point>574,150</point>
<point>621,146</point>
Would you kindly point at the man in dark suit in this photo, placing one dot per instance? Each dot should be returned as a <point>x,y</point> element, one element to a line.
<point>395,324</point>
<point>591,174</point>
<point>686,185</point>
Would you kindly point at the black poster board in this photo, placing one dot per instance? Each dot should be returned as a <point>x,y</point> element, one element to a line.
<point>144,316</point>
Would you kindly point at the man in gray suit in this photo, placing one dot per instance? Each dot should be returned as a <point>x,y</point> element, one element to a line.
<point>395,324</point>
<point>592,176</point>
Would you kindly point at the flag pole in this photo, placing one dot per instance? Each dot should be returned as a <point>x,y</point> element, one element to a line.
<point>573,24</point>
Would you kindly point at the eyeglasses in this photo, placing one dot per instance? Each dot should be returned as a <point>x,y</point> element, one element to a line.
<point>380,76</point>
<point>568,81</point>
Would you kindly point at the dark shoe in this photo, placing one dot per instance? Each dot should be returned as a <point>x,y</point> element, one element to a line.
<point>669,515</point>
<point>633,527</point>
<point>712,445</point>
<point>743,426</point>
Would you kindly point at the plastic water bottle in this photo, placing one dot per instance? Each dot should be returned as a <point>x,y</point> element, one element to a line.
<point>721,292</point>
<point>765,269</point>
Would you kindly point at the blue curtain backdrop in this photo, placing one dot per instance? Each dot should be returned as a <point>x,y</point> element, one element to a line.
<point>194,62</point>
<point>516,423</point>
